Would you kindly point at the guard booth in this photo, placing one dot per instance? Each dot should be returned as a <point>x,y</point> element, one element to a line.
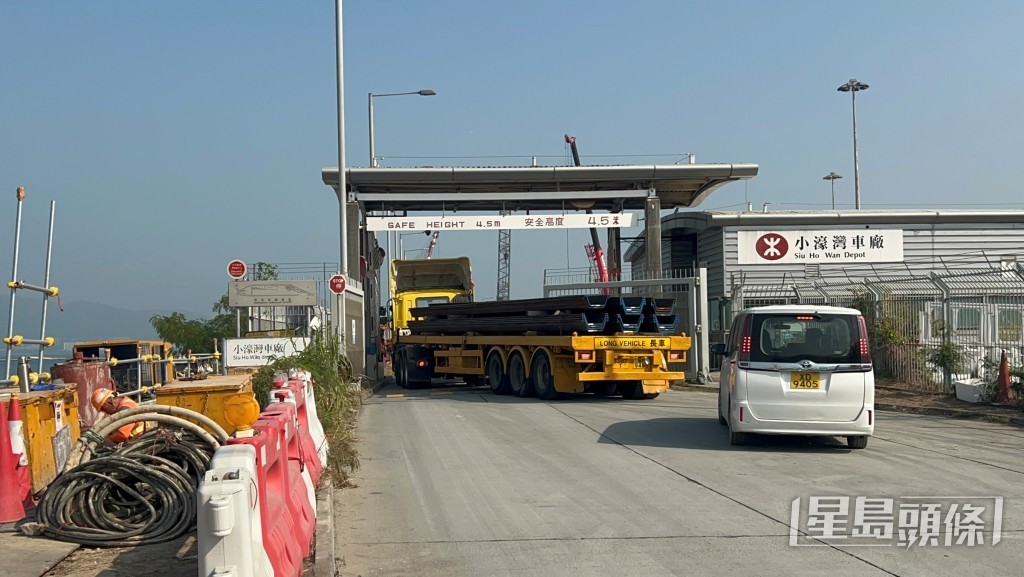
<point>134,375</point>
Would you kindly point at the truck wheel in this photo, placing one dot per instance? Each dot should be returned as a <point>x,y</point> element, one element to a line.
<point>401,370</point>
<point>521,384</point>
<point>543,380</point>
<point>496,377</point>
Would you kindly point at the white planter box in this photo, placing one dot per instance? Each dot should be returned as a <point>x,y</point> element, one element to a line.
<point>970,390</point>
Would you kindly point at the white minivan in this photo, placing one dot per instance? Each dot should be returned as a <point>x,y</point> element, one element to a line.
<point>797,370</point>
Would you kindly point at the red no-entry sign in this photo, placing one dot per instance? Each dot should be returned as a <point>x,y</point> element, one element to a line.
<point>337,284</point>
<point>236,269</point>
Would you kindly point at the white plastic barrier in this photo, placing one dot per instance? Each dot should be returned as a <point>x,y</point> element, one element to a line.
<point>316,430</point>
<point>230,530</point>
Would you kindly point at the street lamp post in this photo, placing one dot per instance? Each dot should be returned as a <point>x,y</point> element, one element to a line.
<point>339,322</point>
<point>373,156</point>
<point>832,176</point>
<point>853,86</point>
<point>370,97</point>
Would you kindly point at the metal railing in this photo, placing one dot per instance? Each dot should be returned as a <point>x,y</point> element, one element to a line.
<point>926,331</point>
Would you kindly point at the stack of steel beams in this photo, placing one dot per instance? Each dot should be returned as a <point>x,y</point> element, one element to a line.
<point>592,314</point>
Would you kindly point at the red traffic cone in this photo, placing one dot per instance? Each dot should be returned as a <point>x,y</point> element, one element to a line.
<point>11,508</point>
<point>17,431</point>
<point>1003,381</point>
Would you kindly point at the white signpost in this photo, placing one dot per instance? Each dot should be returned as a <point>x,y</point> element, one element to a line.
<point>819,246</point>
<point>512,221</point>
<point>270,293</point>
<point>257,352</point>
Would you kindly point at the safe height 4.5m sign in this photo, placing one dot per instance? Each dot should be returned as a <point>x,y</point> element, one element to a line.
<point>819,246</point>
<point>511,221</point>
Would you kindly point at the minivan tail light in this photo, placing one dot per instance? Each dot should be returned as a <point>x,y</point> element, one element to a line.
<point>745,340</point>
<point>865,348</point>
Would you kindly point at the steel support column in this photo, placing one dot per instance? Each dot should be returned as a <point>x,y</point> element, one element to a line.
<point>652,234</point>
<point>614,254</point>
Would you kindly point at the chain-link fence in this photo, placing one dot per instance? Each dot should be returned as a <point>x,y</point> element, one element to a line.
<point>926,331</point>
<point>581,281</point>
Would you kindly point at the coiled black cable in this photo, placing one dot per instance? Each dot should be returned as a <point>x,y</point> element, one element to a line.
<point>143,492</point>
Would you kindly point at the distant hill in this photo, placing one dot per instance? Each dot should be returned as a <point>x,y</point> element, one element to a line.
<point>86,321</point>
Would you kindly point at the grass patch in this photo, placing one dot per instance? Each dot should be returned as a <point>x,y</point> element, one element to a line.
<point>337,401</point>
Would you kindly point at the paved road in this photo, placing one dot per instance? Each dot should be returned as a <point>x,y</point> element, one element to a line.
<point>458,482</point>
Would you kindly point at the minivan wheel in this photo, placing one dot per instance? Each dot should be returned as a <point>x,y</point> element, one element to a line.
<point>857,442</point>
<point>736,438</point>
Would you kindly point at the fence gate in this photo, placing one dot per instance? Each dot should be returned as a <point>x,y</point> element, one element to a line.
<point>686,286</point>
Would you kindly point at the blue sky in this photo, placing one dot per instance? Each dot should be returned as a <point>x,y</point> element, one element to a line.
<point>177,136</point>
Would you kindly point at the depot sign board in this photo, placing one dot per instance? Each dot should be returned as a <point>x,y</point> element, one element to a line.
<point>258,352</point>
<point>516,221</point>
<point>819,246</point>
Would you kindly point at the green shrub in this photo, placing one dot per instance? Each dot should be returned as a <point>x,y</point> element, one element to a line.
<point>337,402</point>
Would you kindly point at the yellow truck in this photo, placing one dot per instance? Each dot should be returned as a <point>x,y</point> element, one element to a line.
<point>544,347</point>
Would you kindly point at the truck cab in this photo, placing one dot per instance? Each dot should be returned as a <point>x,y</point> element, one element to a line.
<point>423,282</point>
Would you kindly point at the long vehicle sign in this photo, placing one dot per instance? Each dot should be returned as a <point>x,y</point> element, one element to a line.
<point>632,343</point>
<point>512,221</point>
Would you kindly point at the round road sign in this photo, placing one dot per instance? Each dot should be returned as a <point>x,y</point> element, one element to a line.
<point>236,269</point>
<point>337,284</point>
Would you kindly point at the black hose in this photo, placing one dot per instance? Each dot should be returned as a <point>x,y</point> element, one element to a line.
<point>143,492</point>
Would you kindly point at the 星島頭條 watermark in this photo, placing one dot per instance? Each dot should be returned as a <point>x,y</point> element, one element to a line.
<point>909,521</point>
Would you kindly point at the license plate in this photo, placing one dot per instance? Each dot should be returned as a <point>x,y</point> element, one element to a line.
<point>805,381</point>
<point>635,362</point>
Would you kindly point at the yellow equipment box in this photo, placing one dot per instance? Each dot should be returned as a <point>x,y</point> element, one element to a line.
<point>50,422</point>
<point>208,396</point>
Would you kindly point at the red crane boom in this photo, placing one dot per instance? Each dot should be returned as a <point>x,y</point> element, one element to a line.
<point>595,252</point>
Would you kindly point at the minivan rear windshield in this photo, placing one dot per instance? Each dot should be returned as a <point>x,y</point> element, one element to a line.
<point>790,338</point>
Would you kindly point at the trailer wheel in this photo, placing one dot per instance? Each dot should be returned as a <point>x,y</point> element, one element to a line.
<point>632,390</point>
<point>521,384</point>
<point>543,380</point>
<point>496,377</point>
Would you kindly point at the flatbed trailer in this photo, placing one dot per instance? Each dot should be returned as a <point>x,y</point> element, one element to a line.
<point>633,365</point>
<point>545,347</point>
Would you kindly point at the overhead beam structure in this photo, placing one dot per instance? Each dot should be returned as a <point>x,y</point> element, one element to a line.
<point>610,188</point>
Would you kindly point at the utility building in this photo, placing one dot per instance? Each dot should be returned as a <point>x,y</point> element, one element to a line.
<point>933,275</point>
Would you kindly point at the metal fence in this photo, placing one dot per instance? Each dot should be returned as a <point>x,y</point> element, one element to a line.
<point>926,331</point>
<point>581,281</point>
<point>685,286</point>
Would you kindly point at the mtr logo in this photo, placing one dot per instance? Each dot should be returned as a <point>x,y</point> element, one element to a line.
<point>771,246</point>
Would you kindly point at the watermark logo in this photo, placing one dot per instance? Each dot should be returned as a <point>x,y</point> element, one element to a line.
<point>910,521</point>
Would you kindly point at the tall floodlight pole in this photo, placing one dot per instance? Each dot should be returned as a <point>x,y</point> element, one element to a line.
<point>832,177</point>
<point>373,155</point>
<point>853,86</point>
<point>342,200</point>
